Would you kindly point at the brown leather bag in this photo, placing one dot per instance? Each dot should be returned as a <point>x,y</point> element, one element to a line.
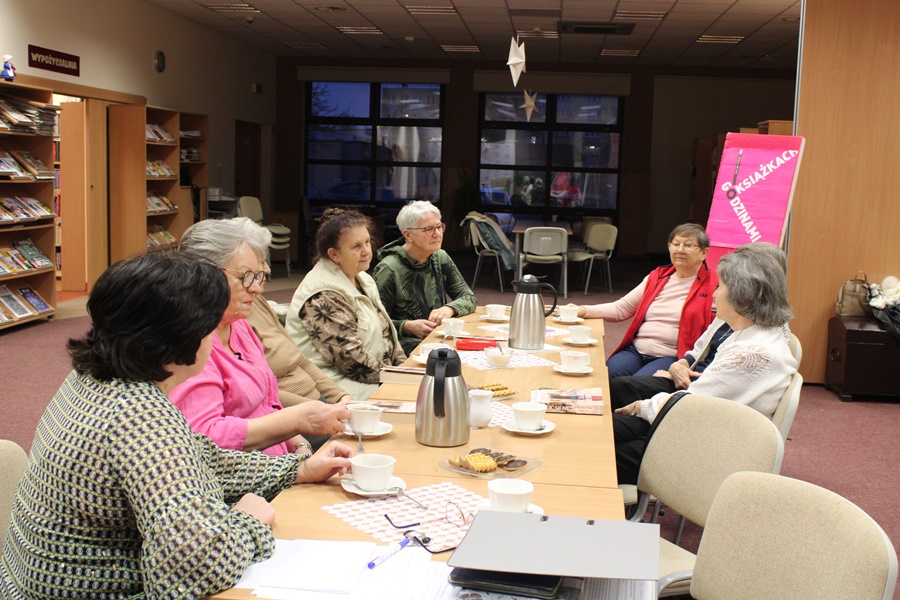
<point>853,298</point>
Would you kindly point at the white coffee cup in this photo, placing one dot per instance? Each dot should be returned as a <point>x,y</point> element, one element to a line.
<point>372,472</point>
<point>529,415</point>
<point>510,495</point>
<point>495,311</point>
<point>579,334</point>
<point>568,313</point>
<point>425,349</point>
<point>364,418</point>
<point>573,360</point>
<point>452,326</point>
<point>498,357</point>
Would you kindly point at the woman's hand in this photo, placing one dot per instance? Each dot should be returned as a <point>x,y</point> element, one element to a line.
<point>298,445</point>
<point>318,418</point>
<point>345,400</point>
<point>439,314</point>
<point>324,464</point>
<point>682,374</point>
<point>257,507</point>
<point>419,328</point>
<point>633,409</point>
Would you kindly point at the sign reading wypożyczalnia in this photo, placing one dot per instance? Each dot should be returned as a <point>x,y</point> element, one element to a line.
<point>54,60</point>
<point>753,193</point>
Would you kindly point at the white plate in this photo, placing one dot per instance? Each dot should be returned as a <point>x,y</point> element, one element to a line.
<point>577,320</point>
<point>502,319</point>
<point>581,371</point>
<point>422,360</point>
<point>382,429</point>
<point>546,427</point>
<point>532,508</point>
<point>350,486</point>
<point>589,342</point>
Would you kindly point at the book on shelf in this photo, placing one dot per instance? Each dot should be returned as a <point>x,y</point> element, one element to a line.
<point>13,114</point>
<point>12,260</point>
<point>15,304</point>
<point>11,169</point>
<point>581,401</point>
<point>31,253</point>
<point>33,164</point>
<point>158,236</point>
<point>155,204</point>
<point>6,216</point>
<point>159,133</point>
<point>159,168</point>
<point>34,206</point>
<point>190,155</point>
<point>191,133</point>
<point>34,300</point>
<point>17,210</point>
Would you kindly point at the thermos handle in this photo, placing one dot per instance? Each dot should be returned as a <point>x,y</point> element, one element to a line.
<point>440,367</point>
<point>552,289</point>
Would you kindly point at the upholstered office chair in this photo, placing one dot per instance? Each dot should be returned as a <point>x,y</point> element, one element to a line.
<point>700,442</point>
<point>249,206</point>
<point>769,536</point>
<point>483,250</point>
<point>546,245</point>
<point>599,241</point>
<point>13,461</point>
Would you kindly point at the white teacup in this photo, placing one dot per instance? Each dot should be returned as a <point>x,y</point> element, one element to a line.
<point>568,313</point>
<point>510,495</point>
<point>452,326</point>
<point>573,360</point>
<point>579,334</point>
<point>498,357</point>
<point>495,311</point>
<point>529,415</point>
<point>364,418</point>
<point>425,349</point>
<point>372,472</point>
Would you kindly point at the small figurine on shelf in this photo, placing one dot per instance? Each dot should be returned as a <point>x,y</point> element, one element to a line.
<point>9,69</point>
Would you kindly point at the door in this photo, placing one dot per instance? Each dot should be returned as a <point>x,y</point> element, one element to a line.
<point>247,145</point>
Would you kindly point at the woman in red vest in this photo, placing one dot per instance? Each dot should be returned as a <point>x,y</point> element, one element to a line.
<point>669,310</point>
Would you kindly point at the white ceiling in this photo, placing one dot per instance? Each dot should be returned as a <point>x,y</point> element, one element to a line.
<point>308,28</point>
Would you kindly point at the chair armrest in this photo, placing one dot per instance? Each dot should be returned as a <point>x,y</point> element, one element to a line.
<point>640,511</point>
<point>671,579</point>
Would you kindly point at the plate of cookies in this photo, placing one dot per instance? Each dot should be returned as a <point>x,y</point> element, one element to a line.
<point>501,390</point>
<point>488,463</point>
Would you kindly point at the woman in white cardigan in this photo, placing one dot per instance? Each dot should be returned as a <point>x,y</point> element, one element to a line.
<point>336,316</point>
<point>753,366</point>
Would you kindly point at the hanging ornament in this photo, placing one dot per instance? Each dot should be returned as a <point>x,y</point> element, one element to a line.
<point>529,105</point>
<point>516,60</point>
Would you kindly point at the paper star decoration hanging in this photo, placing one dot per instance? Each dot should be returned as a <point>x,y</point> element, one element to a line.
<point>529,105</point>
<point>516,60</point>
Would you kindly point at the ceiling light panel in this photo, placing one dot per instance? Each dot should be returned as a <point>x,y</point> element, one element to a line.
<point>226,7</point>
<point>720,39</point>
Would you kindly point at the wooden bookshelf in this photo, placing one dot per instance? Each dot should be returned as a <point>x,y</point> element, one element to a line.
<point>40,231</point>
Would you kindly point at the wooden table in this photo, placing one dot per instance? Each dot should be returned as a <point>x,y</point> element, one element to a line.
<point>577,478</point>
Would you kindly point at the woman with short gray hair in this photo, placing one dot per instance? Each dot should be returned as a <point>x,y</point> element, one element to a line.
<point>753,366</point>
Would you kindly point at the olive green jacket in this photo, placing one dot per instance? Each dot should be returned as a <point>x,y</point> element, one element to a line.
<point>410,290</point>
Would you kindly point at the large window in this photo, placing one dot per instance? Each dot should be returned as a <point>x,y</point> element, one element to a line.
<point>565,160</point>
<point>375,146</point>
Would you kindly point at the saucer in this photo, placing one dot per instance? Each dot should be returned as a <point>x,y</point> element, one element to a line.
<point>532,508</point>
<point>546,427</point>
<point>443,333</point>
<point>350,486</point>
<point>589,342</point>
<point>502,319</point>
<point>577,320</point>
<point>382,429</point>
<point>422,360</point>
<point>581,371</point>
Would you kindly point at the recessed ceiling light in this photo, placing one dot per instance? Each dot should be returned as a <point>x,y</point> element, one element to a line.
<point>537,34</point>
<point>305,45</point>
<point>639,15</point>
<point>720,39</point>
<point>431,10</point>
<point>459,48</point>
<point>225,7</point>
<point>331,9</point>
<point>360,30</point>
<point>791,19</point>
<point>627,53</point>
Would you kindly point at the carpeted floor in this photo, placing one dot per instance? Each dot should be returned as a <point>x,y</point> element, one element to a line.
<point>848,448</point>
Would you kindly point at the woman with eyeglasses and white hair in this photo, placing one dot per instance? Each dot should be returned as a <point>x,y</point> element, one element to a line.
<point>419,283</point>
<point>234,401</point>
<point>669,310</point>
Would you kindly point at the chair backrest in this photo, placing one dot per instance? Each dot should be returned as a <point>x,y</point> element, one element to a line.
<point>13,462</point>
<point>769,536</point>
<point>784,414</point>
<point>601,236</point>
<point>249,206</point>
<point>701,441</point>
<point>477,243</point>
<point>796,348</point>
<point>545,241</point>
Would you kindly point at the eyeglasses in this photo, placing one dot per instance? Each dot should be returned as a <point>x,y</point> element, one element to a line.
<point>248,278</point>
<point>431,229</point>
<point>453,514</point>
<point>687,246</point>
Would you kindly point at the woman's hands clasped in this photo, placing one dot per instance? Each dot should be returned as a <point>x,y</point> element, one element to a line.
<point>326,463</point>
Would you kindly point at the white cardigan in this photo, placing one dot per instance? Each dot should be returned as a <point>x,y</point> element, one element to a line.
<point>753,366</point>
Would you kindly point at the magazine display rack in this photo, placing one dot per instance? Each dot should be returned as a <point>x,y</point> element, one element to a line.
<point>27,223</point>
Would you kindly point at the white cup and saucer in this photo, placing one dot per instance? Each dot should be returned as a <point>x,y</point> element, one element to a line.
<point>495,313</point>
<point>574,363</point>
<point>365,419</point>
<point>373,475</point>
<point>528,419</point>
<point>452,326</point>
<point>510,495</point>
<point>579,335</point>
<point>425,349</point>
<point>568,314</point>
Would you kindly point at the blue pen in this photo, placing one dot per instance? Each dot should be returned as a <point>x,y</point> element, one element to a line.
<point>389,554</point>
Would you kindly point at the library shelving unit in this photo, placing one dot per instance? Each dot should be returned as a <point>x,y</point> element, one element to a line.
<point>194,140</point>
<point>41,231</point>
<point>132,179</point>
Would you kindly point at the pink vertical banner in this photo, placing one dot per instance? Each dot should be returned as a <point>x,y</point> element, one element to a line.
<point>753,192</point>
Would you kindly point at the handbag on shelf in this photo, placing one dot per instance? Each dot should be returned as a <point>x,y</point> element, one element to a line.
<point>853,297</point>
